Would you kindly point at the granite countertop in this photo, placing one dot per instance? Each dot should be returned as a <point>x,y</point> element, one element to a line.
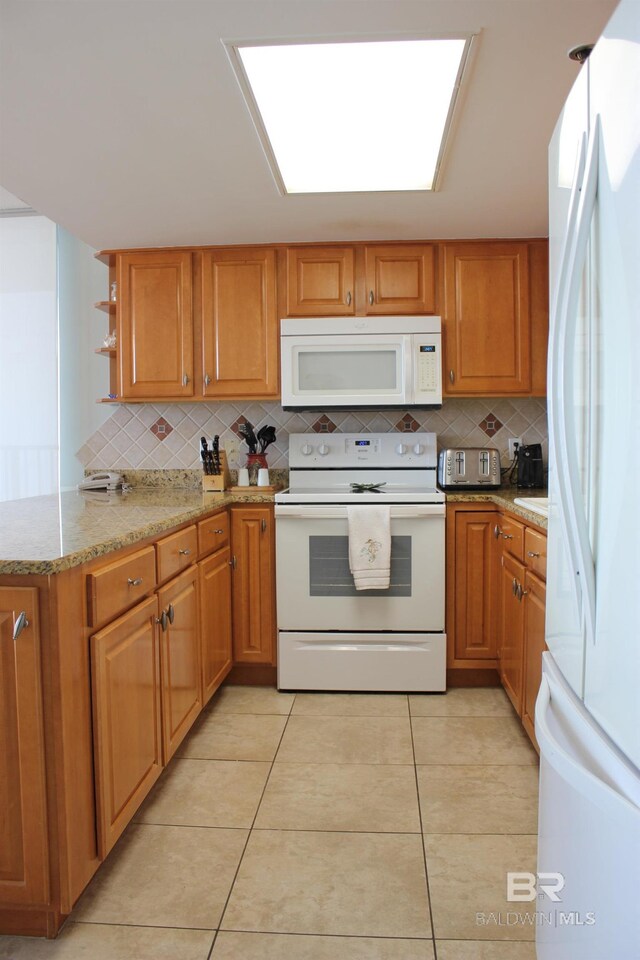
<point>504,498</point>
<point>43,535</point>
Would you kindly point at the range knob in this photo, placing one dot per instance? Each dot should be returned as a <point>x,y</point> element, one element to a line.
<point>306,449</point>
<point>401,449</point>
<point>418,449</point>
<point>323,449</point>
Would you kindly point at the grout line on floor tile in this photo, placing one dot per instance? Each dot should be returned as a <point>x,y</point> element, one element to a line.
<point>137,926</point>
<point>250,831</point>
<point>389,833</point>
<point>424,851</point>
<point>334,936</point>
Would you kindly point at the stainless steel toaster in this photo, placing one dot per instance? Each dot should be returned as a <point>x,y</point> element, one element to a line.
<point>469,467</point>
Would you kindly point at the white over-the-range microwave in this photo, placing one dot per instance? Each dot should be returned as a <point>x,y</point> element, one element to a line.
<point>354,362</point>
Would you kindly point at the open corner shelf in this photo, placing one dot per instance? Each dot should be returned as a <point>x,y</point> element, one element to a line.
<point>107,305</point>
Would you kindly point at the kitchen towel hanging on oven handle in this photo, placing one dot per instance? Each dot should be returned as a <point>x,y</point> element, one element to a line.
<point>370,546</point>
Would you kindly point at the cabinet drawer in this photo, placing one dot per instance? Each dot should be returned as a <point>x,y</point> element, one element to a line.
<point>213,533</point>
<point>512,537</point>
<point>118,585</point>
<point>176,552</point>
<point>535,552</point>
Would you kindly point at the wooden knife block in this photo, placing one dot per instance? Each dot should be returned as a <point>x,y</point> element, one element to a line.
<point>216,484</point>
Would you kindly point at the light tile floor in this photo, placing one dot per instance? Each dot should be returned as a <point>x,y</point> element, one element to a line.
<point>322,827</point>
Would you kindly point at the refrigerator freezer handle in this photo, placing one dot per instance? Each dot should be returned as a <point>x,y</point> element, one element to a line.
<point>580,778</point>
<point>561,383</point>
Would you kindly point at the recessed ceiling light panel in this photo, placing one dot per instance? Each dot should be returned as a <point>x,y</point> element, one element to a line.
<point>352,117</point>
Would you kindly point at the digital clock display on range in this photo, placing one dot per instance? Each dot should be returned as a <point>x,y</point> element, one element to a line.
<point>363,443</point>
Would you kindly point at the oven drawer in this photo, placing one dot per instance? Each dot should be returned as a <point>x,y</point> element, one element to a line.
<point>362,661</point>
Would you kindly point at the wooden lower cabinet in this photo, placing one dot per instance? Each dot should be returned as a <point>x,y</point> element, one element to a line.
<point>472,586</point>
<point>253,564</point>
<point>534,646</point>
<point>215,620</point>
<point>125,665</point>
<point>24,864</point>
<point>512,630</point>
<point>179,659</point>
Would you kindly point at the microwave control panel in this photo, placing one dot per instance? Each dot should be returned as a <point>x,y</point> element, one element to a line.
<point>428,370</point>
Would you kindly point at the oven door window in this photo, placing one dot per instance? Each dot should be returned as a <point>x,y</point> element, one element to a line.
<point>330,576</point>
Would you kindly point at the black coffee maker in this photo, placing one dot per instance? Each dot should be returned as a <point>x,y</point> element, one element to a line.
<point>530,469</point>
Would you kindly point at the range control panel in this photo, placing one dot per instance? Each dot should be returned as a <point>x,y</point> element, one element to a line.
<point>333,450</point>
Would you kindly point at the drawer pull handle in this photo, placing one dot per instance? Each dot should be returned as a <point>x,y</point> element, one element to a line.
<point>186,552</point>
<point>171,614</point>
<point>532,553</point>
<point>134,581</point>
<point>216,531</point>
<point>20,624</point>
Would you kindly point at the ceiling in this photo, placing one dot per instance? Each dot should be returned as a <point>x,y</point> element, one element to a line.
<point>122,120</point>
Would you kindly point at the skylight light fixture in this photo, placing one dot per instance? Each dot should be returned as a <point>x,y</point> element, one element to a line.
<point>352,117</point>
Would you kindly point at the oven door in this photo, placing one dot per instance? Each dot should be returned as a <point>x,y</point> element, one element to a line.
<point>314,584</point>
<point>346,370</point>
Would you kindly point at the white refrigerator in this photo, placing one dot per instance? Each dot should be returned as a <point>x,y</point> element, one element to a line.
<point>588,707</point>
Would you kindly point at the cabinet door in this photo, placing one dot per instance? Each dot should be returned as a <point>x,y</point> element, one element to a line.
<point>215,620</point>
<point>252,544</point>
<point>487,326</point>
<point>155,324</point>
<point>125,667</point>
<point>512,630</point>
<point>534,615</point>
<point>240,323</point>
<point>474,585</point>
<point>179,659</point>
<point>24,872</point>
<point>320,282</point>
<point>400,279</point>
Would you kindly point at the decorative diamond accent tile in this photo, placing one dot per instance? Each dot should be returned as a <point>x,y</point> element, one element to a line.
<point>323,425</point>
<point>490,425</point>
<point>161,428</point>
<point>408,424</point>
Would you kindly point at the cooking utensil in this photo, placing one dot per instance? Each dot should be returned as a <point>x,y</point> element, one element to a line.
<point>246,431</point>
<point>205,455</point>
<point>266,436</point>
<point>216,455</point>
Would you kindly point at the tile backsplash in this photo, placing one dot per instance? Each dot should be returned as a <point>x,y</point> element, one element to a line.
<point>167,435</point>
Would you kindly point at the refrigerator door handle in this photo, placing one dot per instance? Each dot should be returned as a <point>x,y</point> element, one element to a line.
<point>581,779</point>
<point>568,294</point>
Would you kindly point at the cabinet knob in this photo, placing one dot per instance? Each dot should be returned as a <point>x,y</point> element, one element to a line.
<point>371,298</point>
<point>452,376</point>
<point>134,581</point>
<point>348,298</point>
<point>171,614</point>
<point>263,525</point>
<point>497,532</point>
<point>514,587</point>
<point>186,552</point>
<point>207,380</point>
<point>216,531</point>
<point>532,553</point>
<point>233,563</point>
<point>185,379</point>
<point>20,624</point>
<point>162,620</point>
<point>507,536</point>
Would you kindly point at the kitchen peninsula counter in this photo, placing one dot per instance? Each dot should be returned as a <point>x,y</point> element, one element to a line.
<point>503,498</point>
<point>45,535</point>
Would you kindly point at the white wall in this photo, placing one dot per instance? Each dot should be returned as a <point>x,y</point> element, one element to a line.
<point>84,375</point>
<point>28,358</point>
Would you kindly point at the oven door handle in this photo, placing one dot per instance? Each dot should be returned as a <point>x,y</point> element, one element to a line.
<point>339,512</point>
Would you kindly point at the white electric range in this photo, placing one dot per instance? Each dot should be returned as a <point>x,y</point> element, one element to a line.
<point>330,636</point>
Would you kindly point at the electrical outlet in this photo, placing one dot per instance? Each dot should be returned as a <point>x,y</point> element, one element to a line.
<point>232,449</point>
<point>513,443</point>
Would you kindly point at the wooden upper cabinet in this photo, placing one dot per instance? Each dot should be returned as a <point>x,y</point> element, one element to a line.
<point>24,868</point>
<point>239,323</point>
<point>399,279</point>
<point>320,282</point>
<point>155,324</point>
<point>487,321</point>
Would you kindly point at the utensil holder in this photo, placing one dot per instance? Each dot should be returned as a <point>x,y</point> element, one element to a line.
<point>255,463</point>
<point>218,482</point>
